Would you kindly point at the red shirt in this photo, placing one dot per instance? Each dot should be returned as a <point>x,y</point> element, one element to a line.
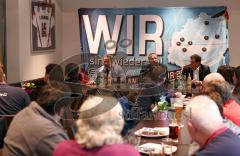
<point>72,148</point>
<point>231,110</point>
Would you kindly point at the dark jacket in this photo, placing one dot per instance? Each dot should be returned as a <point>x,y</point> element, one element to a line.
<point>204,70</point>
<point>224,144</point>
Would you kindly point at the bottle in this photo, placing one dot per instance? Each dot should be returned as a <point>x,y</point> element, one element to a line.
<point>102,80</point>
<point>176,83</point>
<point>189,82</point>
<point>98,80</point>
<point>109,80</point>
<point>184,81</point>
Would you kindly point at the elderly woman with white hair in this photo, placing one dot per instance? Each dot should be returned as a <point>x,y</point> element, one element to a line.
<point>99,126</point>
<point>206,127</point>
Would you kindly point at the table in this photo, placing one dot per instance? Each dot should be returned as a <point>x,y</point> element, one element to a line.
<point>182,149</point>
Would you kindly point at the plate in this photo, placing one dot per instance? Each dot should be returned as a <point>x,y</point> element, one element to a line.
<point>153,132</point>
<point>153,148</point>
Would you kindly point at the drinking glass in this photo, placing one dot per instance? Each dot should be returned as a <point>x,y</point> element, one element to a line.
<point>179,110</point>
<point>173,129</point>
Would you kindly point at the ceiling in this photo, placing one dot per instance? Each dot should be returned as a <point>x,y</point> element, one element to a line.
<point>74,5</point>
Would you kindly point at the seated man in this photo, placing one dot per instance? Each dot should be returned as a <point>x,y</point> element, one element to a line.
<point>196,70</point>
<point>36,130</point>
<point>12,99</point>
<point>206,127</point>
<point>108,67</point>
<point>153,76</point>
<point>153,72</point>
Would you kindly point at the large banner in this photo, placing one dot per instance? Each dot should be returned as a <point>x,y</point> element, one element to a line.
<point>174,34</point>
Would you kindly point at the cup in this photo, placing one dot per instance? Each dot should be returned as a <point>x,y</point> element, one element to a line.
<point>173,129</point>
<point>178,109</point>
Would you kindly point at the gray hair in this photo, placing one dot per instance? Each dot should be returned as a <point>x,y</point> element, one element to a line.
<point>102,128</point>
<point>213,77</point>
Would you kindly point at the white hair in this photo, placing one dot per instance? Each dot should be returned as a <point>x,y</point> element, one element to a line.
<point>101,123</point>
<point>213,77</point>
<point>203,113</point>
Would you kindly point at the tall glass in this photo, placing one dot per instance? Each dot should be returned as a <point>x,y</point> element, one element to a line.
<point>179,111</point>
<point>173,129</point>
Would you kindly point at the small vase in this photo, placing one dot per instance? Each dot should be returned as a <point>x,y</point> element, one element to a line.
<point>163,115</point>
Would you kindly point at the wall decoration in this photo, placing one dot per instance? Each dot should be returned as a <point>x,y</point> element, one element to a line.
<point>174,34</point>
<point>43,26</point>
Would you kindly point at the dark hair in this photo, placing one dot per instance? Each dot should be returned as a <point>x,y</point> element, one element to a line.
<point>54,72</point>
<point>72,73</point>
<point>53,96</point>
<point>236,90</point>
<point>196,57</point>
<point>227,72</point>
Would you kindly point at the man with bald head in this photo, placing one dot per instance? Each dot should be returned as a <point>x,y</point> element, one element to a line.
<point>205,125</point>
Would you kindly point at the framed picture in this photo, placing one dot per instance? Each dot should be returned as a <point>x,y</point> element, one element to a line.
<point>43,26</point>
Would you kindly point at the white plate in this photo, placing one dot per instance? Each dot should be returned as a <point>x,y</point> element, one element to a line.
<point>164,132</point>
<point>156,148</point>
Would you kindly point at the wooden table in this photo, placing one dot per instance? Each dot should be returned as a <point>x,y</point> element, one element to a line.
<point>182,149</point>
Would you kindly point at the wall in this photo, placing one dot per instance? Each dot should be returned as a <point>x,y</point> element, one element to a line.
<point>1,30</point>
<point>70,33</point>
<point>70,19</point>
<point>21,63</point>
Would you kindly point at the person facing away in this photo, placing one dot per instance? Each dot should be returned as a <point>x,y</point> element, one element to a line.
<point>99,126</point>
<point>196,69</point>
<point>216,90</point>
<point>12,99</point>
<point>231,107</point>
<point>36,130</point>
<point>72,73</point>
<point>53,72</point>
<point>236,82</point>
<point>206,127</point>
<point>109,68</point>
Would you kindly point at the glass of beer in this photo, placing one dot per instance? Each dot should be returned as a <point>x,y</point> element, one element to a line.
<point>173,129</point>
<point>179,110</point>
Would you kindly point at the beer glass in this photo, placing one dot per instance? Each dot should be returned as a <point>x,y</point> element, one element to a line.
<point>178,109</point>
<point>173,129</point>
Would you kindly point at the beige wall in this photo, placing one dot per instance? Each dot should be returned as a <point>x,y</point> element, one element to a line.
<point>70,33</point>
<point>22,64</point>
<point>71,25</point>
